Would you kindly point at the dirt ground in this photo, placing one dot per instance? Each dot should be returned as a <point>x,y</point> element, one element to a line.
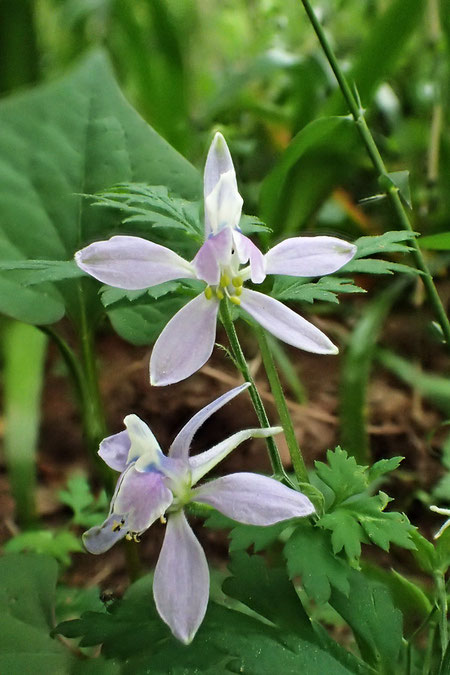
<point>400,423</point>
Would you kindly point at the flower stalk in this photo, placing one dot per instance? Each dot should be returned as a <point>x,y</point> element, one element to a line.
<point>241,362</point>
<point>295,453</point>
<point>383,176</point>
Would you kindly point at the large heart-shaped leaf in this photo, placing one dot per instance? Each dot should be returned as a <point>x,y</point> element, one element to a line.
<point>59,142</point>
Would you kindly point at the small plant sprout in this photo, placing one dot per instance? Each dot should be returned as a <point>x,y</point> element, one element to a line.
<point>152,485</point>
<point>442,512</point>
<point>225,261</point>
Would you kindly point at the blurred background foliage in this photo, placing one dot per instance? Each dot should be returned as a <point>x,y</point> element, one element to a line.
<point>255,70</point>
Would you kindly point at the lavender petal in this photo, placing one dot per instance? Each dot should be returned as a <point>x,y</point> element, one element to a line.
<point>182,442</point>
<point>309,256</point>
<point>181,581</point>
<point>186,342</point>
<point>132,263</point>
<point>114,450</point>
<point>253,499</point>
<point>205,461</point>
<point>286,324</point>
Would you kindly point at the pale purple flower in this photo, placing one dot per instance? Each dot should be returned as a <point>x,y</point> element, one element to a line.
<point>226,260</point>
<point>152,486</point>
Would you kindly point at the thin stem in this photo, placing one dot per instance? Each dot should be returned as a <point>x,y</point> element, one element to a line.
<point>443,610</point>
<point>283,412</point>
<point>238,354</point>
<point>374,154</point>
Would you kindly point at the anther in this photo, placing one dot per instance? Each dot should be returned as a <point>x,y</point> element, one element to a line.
<point>208,292</point>
<point>129,536</point>
<point>235,300</point>
<point>219,294</point>
<point>163,520</point>
<point>237,282</point>
<point>224,280</point>
<point>238,290</point>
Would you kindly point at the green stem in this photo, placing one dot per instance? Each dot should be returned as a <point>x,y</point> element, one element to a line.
<point>374,154</point>
<point>443,610</point>
<point>280,402</point>
<point>275,459</point>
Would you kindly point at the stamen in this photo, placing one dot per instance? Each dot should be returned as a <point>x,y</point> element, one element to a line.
<point>129,536</point>
<point>208,292</point>
<point>235,300</point>
<point>219,294</point>
<point>237,282</point>
<point>136,537</point>
<point>238,290</point>
<point>117,526</point>
<point>163,520</point>
<point>224,280</point>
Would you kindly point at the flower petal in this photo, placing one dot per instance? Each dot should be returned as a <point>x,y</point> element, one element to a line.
<point>101,538</point>
<point>253,500</point>
<point>215,251</point>
<point>114,450</point>
<point>205,461</point>
<point>143,443</point>
<point>286,324</point>
<point>247,250</point>
<point>141,499</point>
<point>223,206</point>
<point>186,342</point>
<point>132,263</point>
<point>180,445</point>
<point>218,162</point>
<point>309,256</point>
<point>181,581</point>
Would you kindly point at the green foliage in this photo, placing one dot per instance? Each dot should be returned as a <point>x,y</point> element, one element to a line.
<point>152,207</point>
<point>276,637</point>
<point>26,613</point>
<point>375,621</point>
<point>436,242</point>
<point>325,289</point>
<point>75,136</point>
<point>56,543</point>
<point>309,555</point>
<point>87,510</point>
<point>355,516</point>
<point>313,137</point>
<point>389,242</point>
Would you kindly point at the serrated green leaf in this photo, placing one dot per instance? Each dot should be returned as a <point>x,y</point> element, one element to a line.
<point>244,536</point>
<point>346,533</point>
<point>342,474</point>
<point>377,266</point>
<point>364,520</point>
<point>389,242</point>
<point>58,544</point>
<point>325,289</point>
<point>78,496</point>
<point>227,641</point>
<point>382,467</point>
<point>152,205</point>
<point>308,555</point>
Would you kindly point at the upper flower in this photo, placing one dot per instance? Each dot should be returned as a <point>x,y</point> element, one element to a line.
<point>152,485</point>
<point>225,261</point>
